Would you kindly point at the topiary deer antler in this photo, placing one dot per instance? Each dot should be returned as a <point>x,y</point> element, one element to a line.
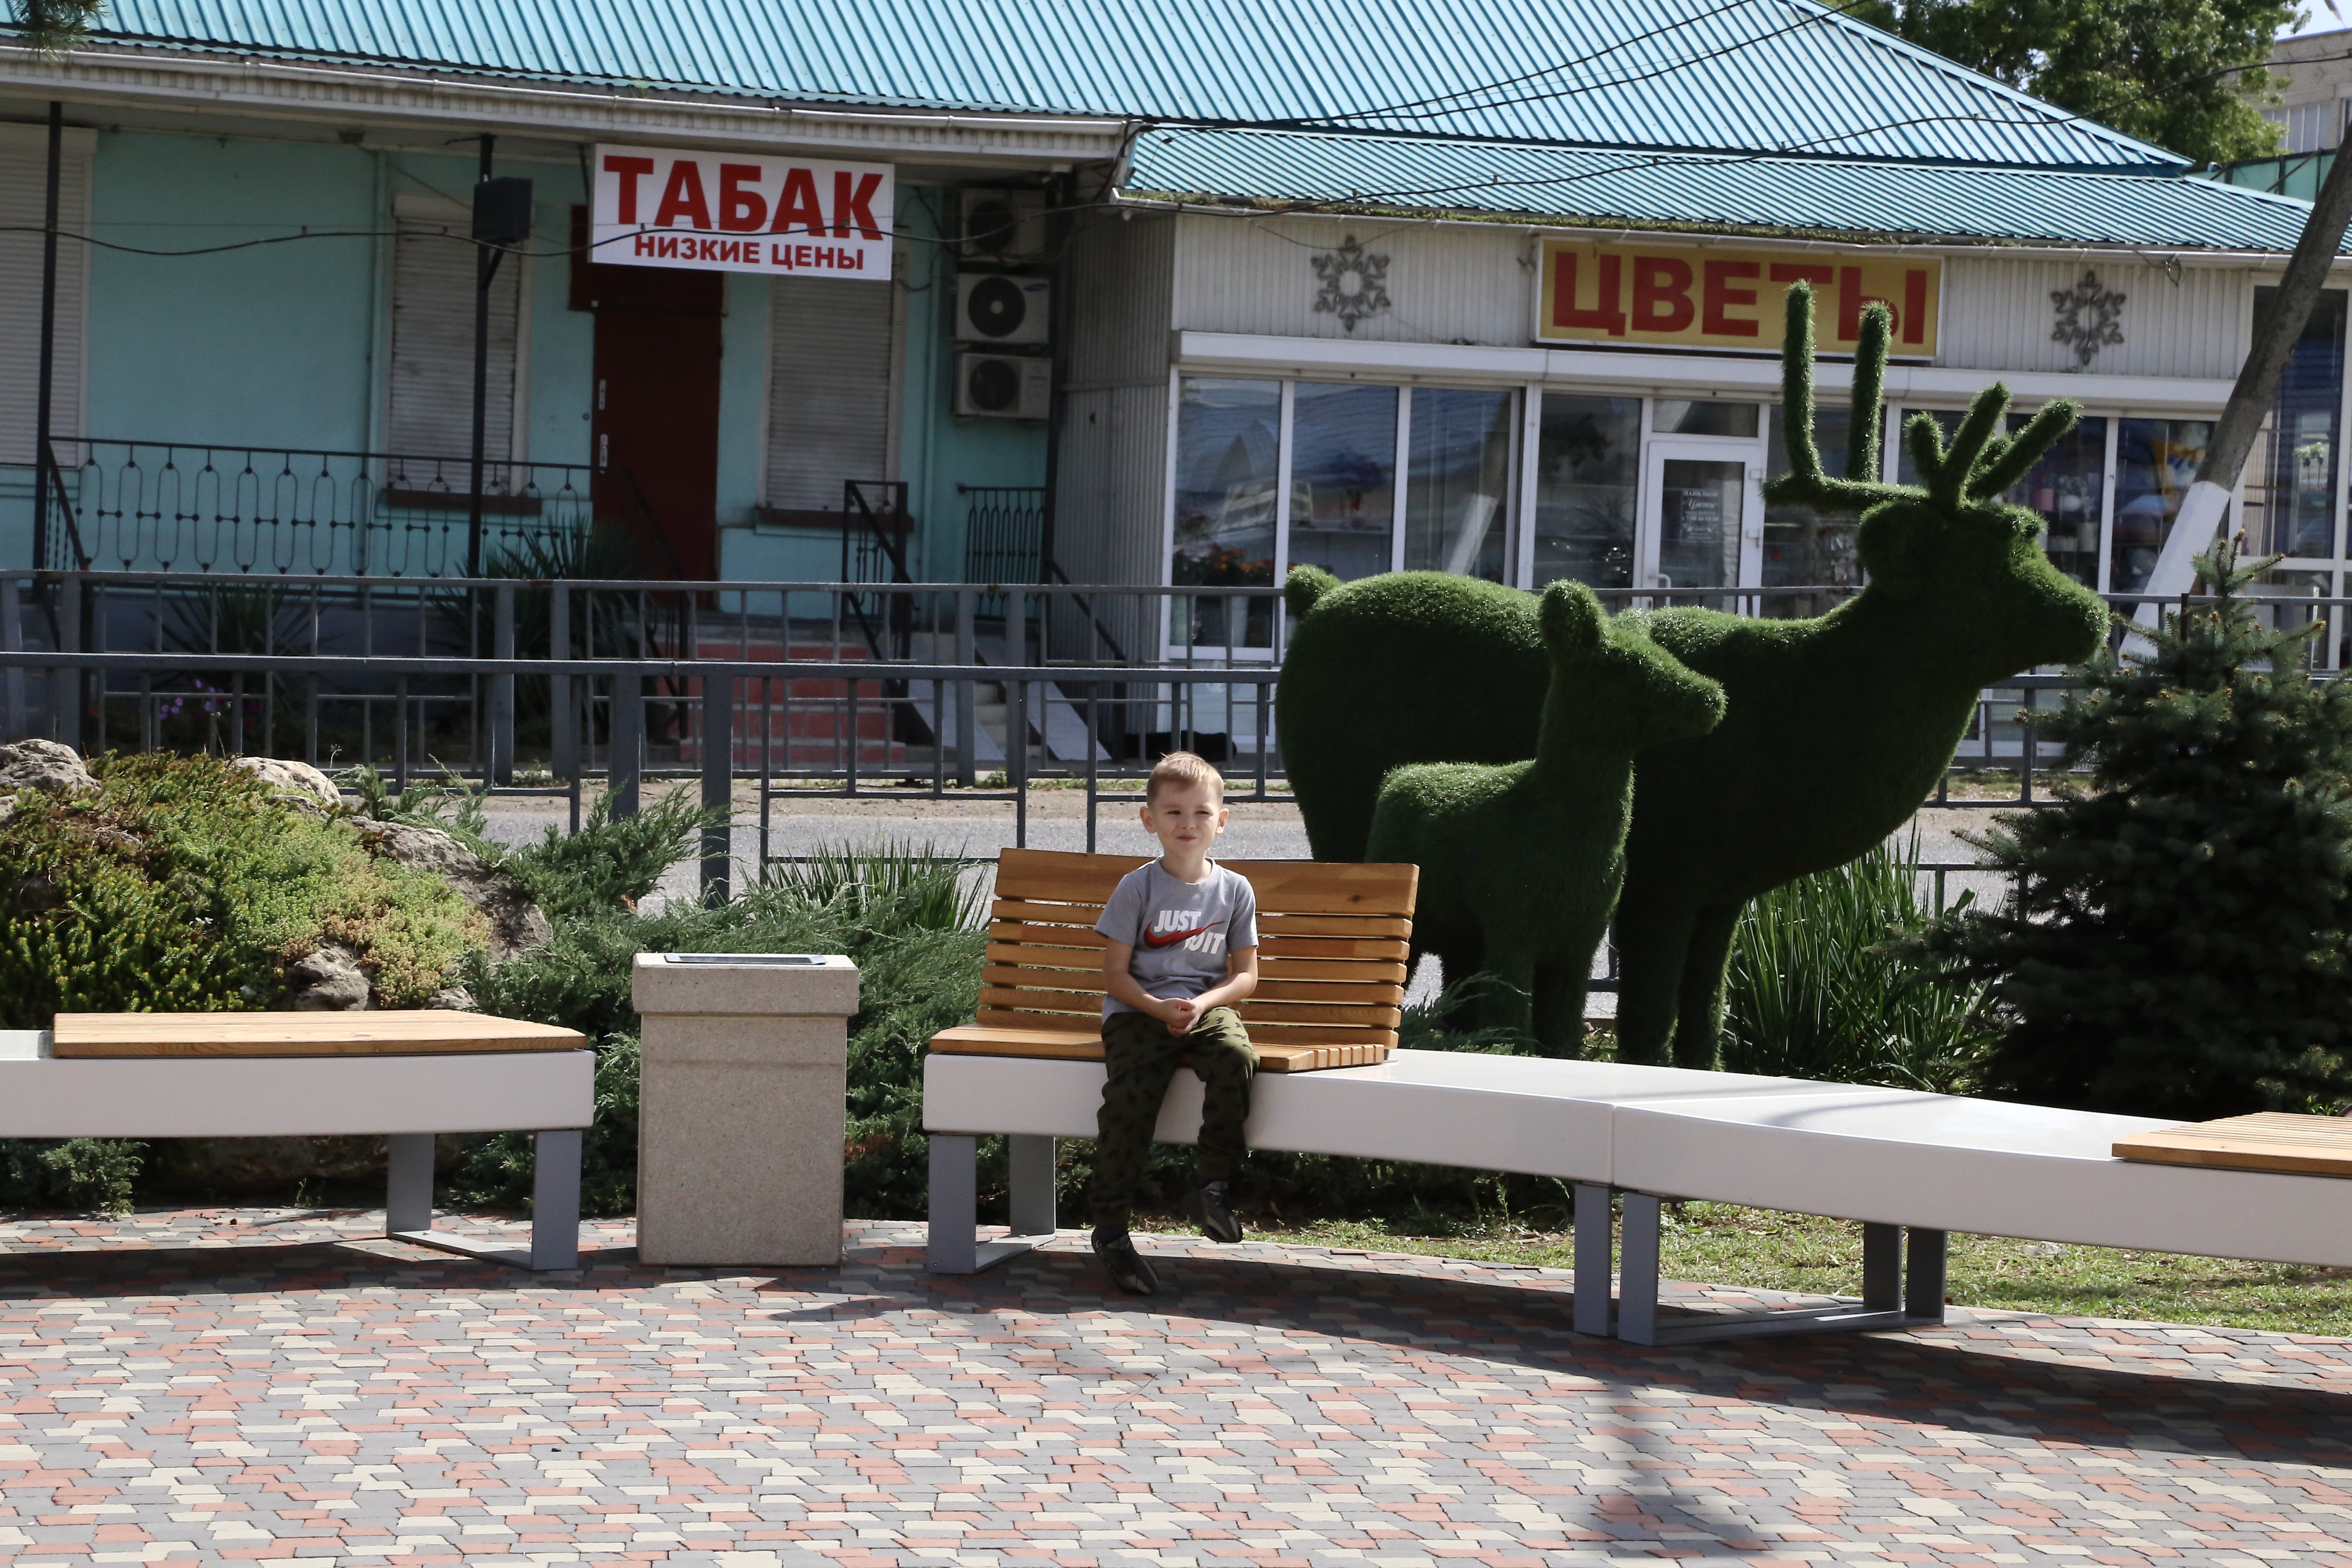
<point>1977,466</point>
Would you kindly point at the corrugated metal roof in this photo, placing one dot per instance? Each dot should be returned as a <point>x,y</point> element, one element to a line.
<point>1693,75</point>
<point>1763,193</point>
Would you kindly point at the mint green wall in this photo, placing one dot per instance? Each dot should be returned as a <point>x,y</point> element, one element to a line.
<point>259,346</point>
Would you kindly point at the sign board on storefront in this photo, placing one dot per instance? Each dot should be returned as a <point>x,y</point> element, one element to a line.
<point>1719,297</point>
<point>726,211</point>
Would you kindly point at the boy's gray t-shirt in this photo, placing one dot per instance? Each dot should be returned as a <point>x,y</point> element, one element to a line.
<point>1181,931</point>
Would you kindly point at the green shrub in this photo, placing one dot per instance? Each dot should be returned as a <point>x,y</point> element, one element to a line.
<point>94,1175</point>
<point>1817,989</point>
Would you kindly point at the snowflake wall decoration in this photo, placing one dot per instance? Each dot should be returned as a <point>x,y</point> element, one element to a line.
<point>1354,285</point>
<point>2089,318</point>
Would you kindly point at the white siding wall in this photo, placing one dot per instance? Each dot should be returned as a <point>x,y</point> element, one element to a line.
<point>23,202</point>
<point>1997,315</point>
<point>1446,284</point>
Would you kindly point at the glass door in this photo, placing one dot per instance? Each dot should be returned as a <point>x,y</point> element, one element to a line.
<point>1702,519</point>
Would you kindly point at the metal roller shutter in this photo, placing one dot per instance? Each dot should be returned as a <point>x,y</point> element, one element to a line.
<point>429,408</point>
<point>23,194</point>
<point>828,389</point>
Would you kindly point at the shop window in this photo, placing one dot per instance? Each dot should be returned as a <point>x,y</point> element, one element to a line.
<point>2156,462</point>
<point>1586,453</point>
<point>1457,481</point>
<point>1676,417</point>
<point>2290,498</point>
<point>1228,464</point>
<point>2068,489</point>
<point>1804,548</point>
<point>1343,477</point>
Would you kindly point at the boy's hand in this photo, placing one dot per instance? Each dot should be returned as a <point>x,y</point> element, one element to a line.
<point>1180,1014</point>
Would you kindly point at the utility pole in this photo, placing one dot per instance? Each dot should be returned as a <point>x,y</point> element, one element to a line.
<point>41,476</point>
<point>2251,398</point>
<point>486,267</point>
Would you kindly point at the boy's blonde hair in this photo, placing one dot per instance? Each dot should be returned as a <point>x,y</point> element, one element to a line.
<point>1182,770</point>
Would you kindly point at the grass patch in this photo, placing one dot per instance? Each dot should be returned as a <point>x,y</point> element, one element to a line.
<point>1724,1245</point>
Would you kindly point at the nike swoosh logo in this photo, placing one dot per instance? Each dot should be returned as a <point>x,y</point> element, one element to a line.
<point>1170,939</point>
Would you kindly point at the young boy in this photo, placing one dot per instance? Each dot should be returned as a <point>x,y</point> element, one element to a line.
<point>1182,950</point>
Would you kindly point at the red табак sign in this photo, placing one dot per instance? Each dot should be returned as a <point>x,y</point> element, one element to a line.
<point>728,212</point>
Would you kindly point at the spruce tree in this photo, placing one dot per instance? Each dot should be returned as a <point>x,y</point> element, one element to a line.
<point>2178,941</point>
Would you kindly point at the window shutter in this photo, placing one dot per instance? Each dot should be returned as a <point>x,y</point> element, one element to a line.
<point>828,389</point>
<point>23,202</point>
<point>429,406</point>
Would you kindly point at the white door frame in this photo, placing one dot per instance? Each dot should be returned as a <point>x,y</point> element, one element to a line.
<point>1746,451</point>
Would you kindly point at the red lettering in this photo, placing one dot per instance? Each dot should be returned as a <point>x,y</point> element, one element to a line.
<point>824,256</point>
<point>1662,301</point>
<point>1604,316</point>
<point>801,257</point>
<point>682,196</point>
<point>1716,296</point>
<point>739,210</point>
<point>644,246</point>
<point>667,247</point>
<point>848,208</point>
<point>1915,306</point>
<point>629,169</point>
<point>797,208</point>
<point>1852,302</point>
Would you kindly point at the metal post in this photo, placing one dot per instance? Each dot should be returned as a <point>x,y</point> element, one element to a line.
<point>45,395</point>
<point>12,640</point>
<point>65,685</point>
<point>408,1183</point>
<point>1595,1227</point>
<point>717,783</point>
<point>1017,757</point>
<point>486,264</point>
<point>1035,1211</point>
<point>1016,622</point>
<point>1094,798</point>
<point>1637,1271</point>
<point>1881,1268</point>
<point>953,1244</point>
<point>502,687</point>
<point>966,653</point>
<point>555,1198</point>
<point>628,744</point>
<point>1923,1282</point>
<point>564,736</point>
<point>400,736</point>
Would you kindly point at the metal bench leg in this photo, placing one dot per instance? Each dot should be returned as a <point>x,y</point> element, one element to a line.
<point>408,1183</point>
<point>1595,1239</point>
<point>1881,1268</point>
<point>1035,1211</point>
<point>955,1245</point>
<point>1637,1271</point>
<point>555,1200</point>
<point>1924,1285</point>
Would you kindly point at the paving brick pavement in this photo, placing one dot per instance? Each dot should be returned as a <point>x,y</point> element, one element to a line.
<point>273,1388</point>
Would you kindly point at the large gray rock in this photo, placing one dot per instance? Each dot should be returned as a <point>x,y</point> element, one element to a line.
<point>300,782</point>
<point>516,922</point>
<point>329,981</point>
<point>42,766</point>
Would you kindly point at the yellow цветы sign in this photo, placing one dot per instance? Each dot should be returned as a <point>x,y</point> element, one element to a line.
<point>1725,299</point>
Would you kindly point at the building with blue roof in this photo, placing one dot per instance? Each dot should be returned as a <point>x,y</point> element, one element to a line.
<point>1181,293</point>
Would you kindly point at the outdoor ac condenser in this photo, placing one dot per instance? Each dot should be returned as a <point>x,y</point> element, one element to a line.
<point>1000,308</point>
<point>1002,226</point>
<point>1004,386</point>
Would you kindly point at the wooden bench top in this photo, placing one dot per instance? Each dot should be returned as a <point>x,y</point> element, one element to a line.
<point>2267,1141</point>
<point>427,1031</point>
<point>1333,942</point>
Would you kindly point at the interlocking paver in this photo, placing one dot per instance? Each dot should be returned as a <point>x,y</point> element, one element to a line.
<point>266,1387</point>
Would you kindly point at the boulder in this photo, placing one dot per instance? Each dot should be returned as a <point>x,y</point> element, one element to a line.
<point>499,897</point>
<point>301,784</point>
<point>42,766</point>
<point>328,980</point>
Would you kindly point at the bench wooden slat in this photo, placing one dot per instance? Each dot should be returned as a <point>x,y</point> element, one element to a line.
<point>424,1031</point>
<point>2265,1141</point>
<point>1056,1045</point>
<point>1261,1033</point>
<point>1357,938</point>
<point>1065,982</point>
<point>1271,966</point>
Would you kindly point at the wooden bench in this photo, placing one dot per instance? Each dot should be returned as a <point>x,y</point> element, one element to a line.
<point>407,1075</point>
<point>1332,956</point>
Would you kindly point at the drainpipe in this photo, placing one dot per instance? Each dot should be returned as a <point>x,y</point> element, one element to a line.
<point>41,476</point>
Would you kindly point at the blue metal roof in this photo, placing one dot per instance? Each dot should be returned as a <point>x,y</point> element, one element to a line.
<point>1777,195</point>
<point>1688,75</point>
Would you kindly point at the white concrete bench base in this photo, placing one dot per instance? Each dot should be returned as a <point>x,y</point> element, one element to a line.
<point>410,1099</point>
<point>1910,1167</point>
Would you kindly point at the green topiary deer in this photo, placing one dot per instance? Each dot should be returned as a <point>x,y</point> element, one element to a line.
<point>1520,862</point>
<point>1838,727</point>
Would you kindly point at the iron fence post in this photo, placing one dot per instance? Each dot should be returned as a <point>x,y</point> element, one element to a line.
<point>628,744</point>
<point>717,784</point>
<point>967,653</point>
<point>1017,758</point>
<point>563,732</point>
<point>65,685</point>
<point>1016,621</point>
<point>12,640</point>
<point>502,687</point>
<point>400,737</point>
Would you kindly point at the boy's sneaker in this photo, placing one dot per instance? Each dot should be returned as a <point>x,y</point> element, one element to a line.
<point>1128,1269</point>
<point>1217,1221</point>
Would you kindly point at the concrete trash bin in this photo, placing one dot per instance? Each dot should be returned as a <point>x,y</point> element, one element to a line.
<point>742,1107</point>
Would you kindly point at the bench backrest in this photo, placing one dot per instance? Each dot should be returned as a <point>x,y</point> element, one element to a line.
<point>1333,941</point>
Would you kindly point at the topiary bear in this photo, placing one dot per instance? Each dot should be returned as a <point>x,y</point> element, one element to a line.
<point>1838,727</point>
<point>1520,862</point>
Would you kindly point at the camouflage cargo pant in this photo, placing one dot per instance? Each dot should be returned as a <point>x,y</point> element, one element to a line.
<point>1142,1056</point>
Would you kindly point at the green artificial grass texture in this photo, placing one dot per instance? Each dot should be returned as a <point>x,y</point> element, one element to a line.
<point>1719,1244</point>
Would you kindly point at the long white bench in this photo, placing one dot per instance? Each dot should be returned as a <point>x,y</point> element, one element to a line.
<point>1911,1167</point>
<point>409,1094</point>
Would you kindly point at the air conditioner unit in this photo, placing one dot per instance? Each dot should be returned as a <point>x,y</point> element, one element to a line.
<point>1004,386</point>
<point>999,307</point>
<point>1002,226</point>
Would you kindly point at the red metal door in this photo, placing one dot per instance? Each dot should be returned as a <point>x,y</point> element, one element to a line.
<point>655,420</point>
